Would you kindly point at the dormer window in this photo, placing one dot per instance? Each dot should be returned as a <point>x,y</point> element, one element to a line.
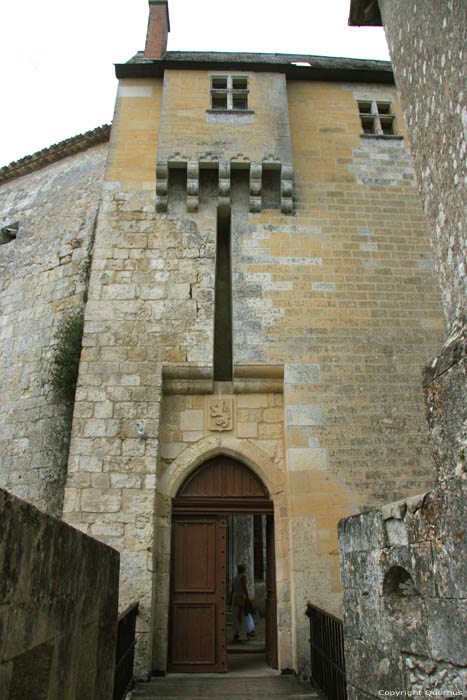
<point>377,118</point>
<point>229,92</point>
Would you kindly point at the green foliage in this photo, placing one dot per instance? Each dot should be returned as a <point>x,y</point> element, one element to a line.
<point>65,361</point>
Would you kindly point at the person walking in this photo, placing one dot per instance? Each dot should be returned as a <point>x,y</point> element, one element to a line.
<point>242,621</point>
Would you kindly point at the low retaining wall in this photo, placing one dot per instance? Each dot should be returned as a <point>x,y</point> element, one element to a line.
<point>58,608</point>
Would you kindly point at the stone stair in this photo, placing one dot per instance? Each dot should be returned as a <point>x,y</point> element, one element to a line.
<point>228,687</point>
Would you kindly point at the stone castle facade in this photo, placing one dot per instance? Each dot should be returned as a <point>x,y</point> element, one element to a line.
<point>252,259</point>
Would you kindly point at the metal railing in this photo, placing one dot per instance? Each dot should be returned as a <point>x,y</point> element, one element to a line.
<point>125,651</point>
<point>327,653</point>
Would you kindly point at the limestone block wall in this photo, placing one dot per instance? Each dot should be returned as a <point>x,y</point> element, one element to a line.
<point>150,298</point>
<point>344,293</point>
<point>43,277</point>
<point>191,129</point>
<point>341,293</point>
<point>58,608</point>
<point>143,310</point>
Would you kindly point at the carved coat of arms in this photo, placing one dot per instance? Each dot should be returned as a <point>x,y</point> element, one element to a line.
<point>220,414</point>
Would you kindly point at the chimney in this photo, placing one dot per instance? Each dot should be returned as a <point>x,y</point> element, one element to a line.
<point>158,28</point>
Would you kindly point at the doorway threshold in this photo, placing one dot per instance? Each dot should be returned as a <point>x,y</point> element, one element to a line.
<point>244,665</point>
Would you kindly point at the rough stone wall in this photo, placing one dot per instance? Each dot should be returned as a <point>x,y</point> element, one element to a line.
<point>407,562</point>
<point>432,85</point>
<point>43,277</point>
<point>341,294</point>
<point>427,41</point>
<point>58,608</point>
<point>404,575</point>
<point>138,306</point>
<point>445,384</point>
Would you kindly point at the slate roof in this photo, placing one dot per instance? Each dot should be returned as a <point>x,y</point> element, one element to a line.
<point>319,68</point>
<point>315,68</point>
<point>53,153</point>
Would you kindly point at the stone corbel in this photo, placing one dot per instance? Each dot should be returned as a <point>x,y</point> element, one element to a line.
<point>177,160</point>
<point>208,160</point>
<point>162,178</point>
<point>192,186</point>
<point>255,186</point>
<point>287,189</point>
<point>224,185</point>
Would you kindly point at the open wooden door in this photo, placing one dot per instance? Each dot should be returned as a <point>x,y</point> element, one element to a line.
<point>271,606</point>
<point>197,624</point>
<point>197,640</point>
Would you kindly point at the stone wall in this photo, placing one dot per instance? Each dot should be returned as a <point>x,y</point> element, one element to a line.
<point>191,131</point>
<point>341,295</point>
<point>432,87</point>
<point>361,318</point>
<point>44,275</point>
<point>110,491</point>
<point>404,574</point>
<point>407,562</point>
<point>58,608</point>
<point>427,42</point>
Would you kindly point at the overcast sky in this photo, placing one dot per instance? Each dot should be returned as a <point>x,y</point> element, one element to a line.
<point>57,56</point>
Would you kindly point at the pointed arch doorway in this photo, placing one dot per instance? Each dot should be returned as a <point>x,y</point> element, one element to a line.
<point>202,509</point>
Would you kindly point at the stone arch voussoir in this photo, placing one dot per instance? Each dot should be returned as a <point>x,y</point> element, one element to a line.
<point>244,451</point>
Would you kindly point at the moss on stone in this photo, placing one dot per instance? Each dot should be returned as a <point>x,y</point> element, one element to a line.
<point>65,361</point>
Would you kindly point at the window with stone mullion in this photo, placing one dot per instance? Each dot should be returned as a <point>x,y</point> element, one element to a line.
<point>376,117</point>
<point>229,92</point>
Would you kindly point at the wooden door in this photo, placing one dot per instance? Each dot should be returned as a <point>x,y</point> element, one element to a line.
<point>198,594</point>
<point>271,608</point>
